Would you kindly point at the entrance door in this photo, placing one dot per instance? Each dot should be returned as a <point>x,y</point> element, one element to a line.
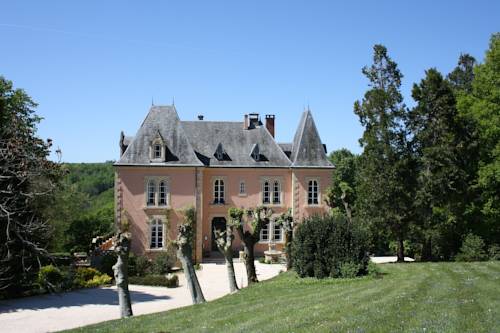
<point>218,223</point>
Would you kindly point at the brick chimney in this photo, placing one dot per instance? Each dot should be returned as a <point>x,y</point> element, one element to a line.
<point>270,123</point>
<point>245,122</point>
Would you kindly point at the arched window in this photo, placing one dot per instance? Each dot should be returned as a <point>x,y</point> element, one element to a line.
<point>156,227</point>
<point>242,188</point>
<point>163,193</point>
<point>312,193</point>
<point>219,191</point>
<point>276,192</point>
<point>151,193</point>
<point>266,196</point>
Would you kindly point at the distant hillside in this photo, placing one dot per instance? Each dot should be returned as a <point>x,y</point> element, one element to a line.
<point>83,207</point>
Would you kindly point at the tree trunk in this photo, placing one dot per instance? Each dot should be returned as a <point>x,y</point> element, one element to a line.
<point>191,279</point>
<point>427,249</point>
<point>121,278</point>
<point>120,268</point>
<point>401,249</point>
<point>249,262</point>
<point>233,286</point>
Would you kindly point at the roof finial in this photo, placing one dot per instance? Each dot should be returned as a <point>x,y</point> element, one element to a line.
<point>173,101</point>
<point>152,102</point>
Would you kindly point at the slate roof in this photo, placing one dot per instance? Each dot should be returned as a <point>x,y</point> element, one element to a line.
<point>194,143</point>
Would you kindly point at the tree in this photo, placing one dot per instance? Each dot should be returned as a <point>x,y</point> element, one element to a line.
<point>250,235</point>
<point>462,76</point>
<point>385,185</point>
<point>224,240</point>
<point>121,245</point>
<point>286,221</point>
<point>342,194</point>
<point>482,107</point>
<point>184,244</point>
<point>438,138</point>
<point>27,180</point>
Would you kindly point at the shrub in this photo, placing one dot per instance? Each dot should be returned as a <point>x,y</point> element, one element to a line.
<point>323,245</point>
<point>50,278</point>
<point>169,281</point>
<point>138,266</point>
<point>494,252</point>
<point>163,263</point>
<point>373,270</point>
<point>472,249</point>
<point>89,277</point>
<point>349,270</point>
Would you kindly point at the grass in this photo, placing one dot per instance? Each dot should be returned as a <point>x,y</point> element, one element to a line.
<point>417,297</point>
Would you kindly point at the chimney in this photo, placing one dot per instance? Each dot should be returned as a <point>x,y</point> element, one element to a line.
<point>270,123</point>
<point>253,120</point>
<point>245,122</point>
<point>200,117</point>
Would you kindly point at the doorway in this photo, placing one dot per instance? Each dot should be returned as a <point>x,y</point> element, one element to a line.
<point>218,223</point>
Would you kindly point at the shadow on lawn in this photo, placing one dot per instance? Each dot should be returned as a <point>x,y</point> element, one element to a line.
<point>95,296</point>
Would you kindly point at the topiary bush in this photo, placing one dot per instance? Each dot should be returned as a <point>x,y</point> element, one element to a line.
<point>50,278</point>
<point>472,249</point>
<point>328,246</point>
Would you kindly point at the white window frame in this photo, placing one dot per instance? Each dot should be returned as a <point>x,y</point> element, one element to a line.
<point>167,193</point>
<point>271,233</point>
<point>152,149</point>
<point>150,190</point>
<point>156,197</point>
<point>218,193</point>
<point>157,222</point>
<point>271,192</point>
<point>278,183</point>
<point>311,193</point>
<point>266,194</point>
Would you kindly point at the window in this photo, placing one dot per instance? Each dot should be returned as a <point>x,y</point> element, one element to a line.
<point>242,188</point>
<point>264,233</point>
<point>219,191</point>
<point>151,193</point>
<point>157,151</point>
<point>156,227</point>
<point>265,193</point>
<point>271,232</point>
<point>277,232</point>
<point>276,192</point>
<point>163,194</point>
<point>312,193</point>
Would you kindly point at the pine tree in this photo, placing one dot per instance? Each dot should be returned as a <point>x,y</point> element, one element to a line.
<point>385,182</point>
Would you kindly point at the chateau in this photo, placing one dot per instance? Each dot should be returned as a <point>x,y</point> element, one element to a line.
<point>214,165</point>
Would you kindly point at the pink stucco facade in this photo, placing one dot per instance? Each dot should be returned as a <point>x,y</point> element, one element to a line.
<point>194,186</point>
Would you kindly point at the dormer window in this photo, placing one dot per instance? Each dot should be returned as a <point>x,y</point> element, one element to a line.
<point>255,153</point>
<point>219,152</point>
<point>157,151</point>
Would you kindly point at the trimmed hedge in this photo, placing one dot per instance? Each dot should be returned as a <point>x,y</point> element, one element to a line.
<point>328,246</point>
<point>169,281</point>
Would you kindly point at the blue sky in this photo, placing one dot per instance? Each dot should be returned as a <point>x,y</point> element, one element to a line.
<point>94,66</point>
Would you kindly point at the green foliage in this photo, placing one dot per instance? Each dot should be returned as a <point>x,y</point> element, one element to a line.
<point>494,252</point>
<point>50,278</point>
<point>83,207</point>
<point>322,245</point>
<point>373,270</point>
<point>106,263</point>
<point>472,249</point>
<point>349,270</point>
<point>342,194</point>
<point>27,182</point>
<point>169,281</point>
<point>89,277</point>
<point>384,191</point>
<point>163,262</point>
<point>138,266</point>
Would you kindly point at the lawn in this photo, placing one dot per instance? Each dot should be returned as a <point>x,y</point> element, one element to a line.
<point>413,297</point>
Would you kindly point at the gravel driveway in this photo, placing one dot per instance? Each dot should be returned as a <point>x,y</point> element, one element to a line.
<point>50,313</point>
